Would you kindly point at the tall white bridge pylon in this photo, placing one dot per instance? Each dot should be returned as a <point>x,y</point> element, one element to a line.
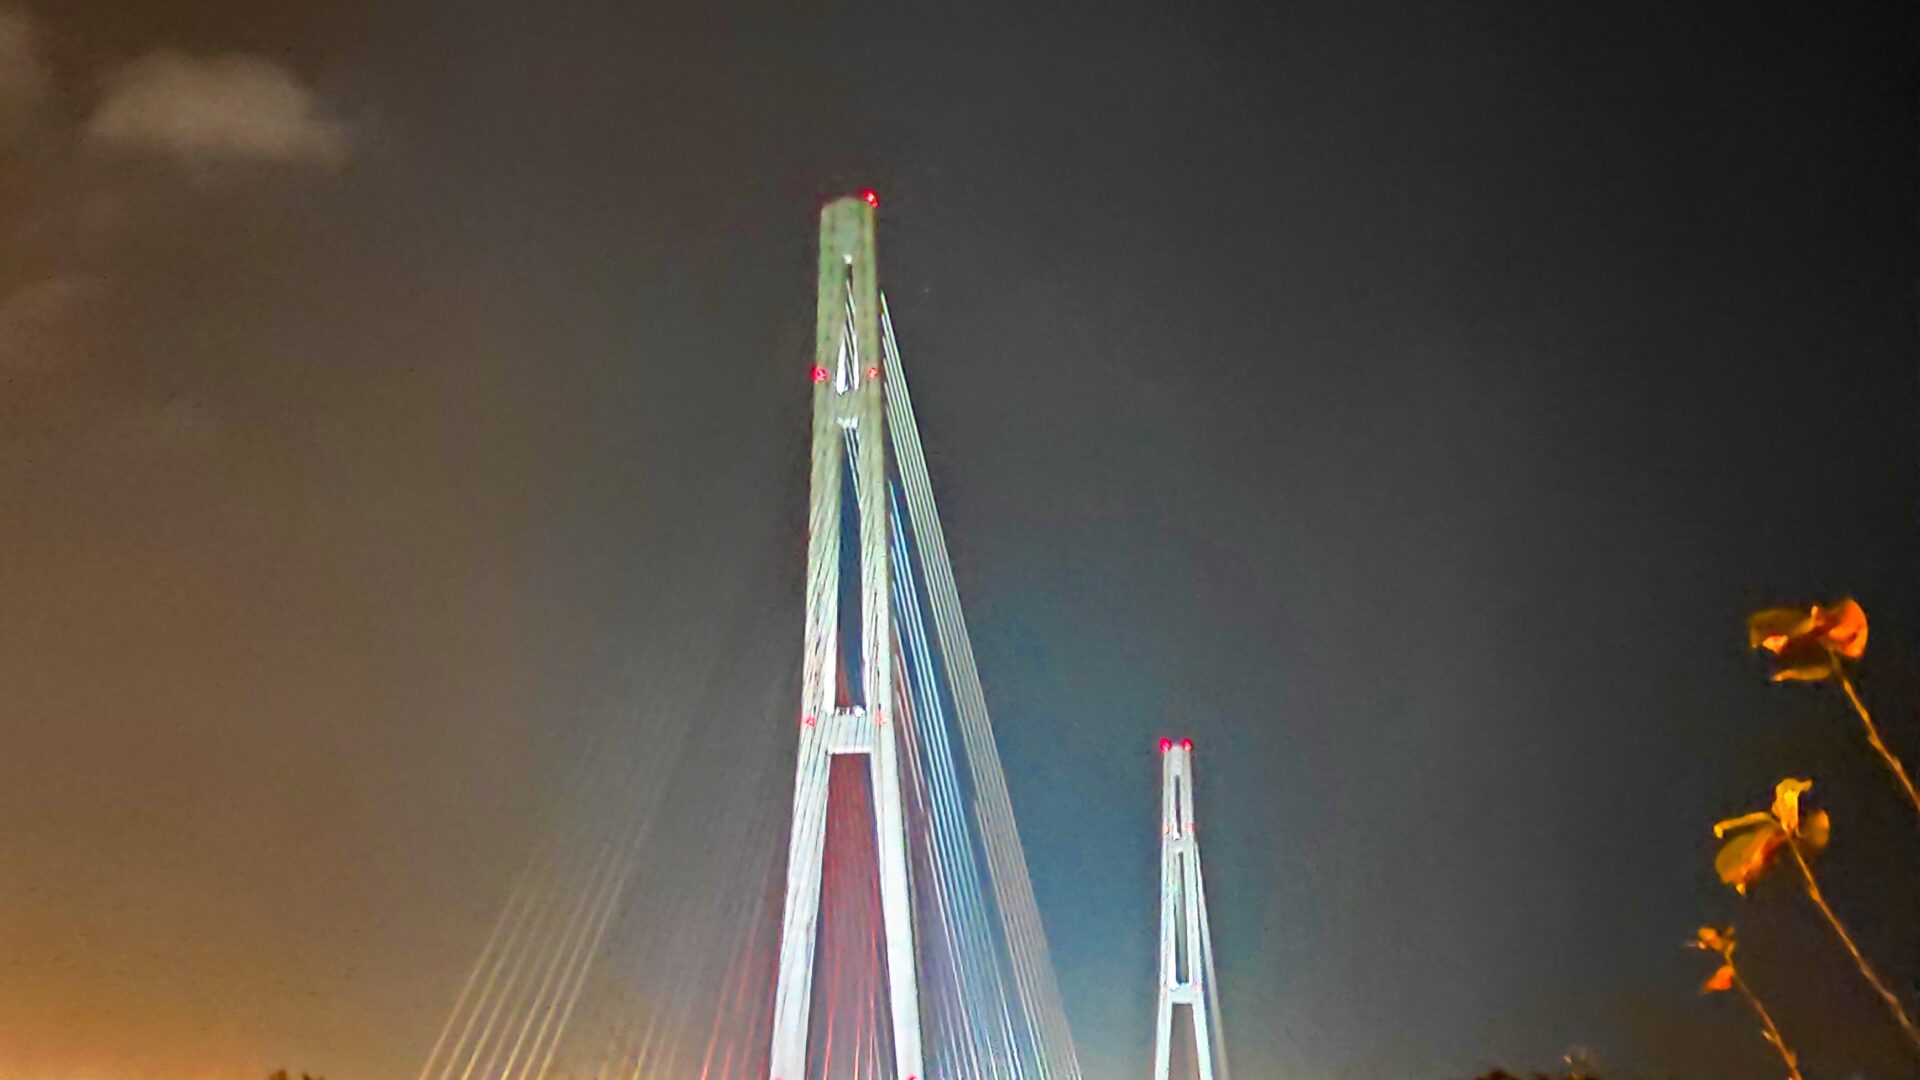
<point>1186,940</point>
<point>848,408</point>
<point>970,990</point>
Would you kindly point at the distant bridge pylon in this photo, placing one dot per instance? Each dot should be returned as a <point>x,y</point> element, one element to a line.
<point>1186,939</point>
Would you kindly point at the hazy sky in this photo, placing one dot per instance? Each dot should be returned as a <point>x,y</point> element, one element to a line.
<point>1406,401</point>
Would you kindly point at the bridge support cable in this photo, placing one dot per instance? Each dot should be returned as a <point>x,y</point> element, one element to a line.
<point>1032,972</point>
<point>980,1050</point>
<point>542,927</point>
<point>943,898</point>
<point>537,975</point>
<point>956,887</point>
<point>959,883</point>
<point>501,995</point>
<point>523,892</point>
<point>683,986</point>
<point>948,899</point>
<point>942,995</point>
<point>556,1011</point>
<point>1213,979</point>
<point>616,885</point>
<point>1007,859</point>
<point>632,1028</point>
<point>576,923</point>
<point>1020,952</point>
<point>509,1022</point>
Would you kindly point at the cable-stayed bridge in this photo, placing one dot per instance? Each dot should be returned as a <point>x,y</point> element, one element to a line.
<point>895,935</point>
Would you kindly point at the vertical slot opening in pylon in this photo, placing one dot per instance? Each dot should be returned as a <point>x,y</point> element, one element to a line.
<point>848,691</point>
<point>1183,966</point>
<point>1183,959</point>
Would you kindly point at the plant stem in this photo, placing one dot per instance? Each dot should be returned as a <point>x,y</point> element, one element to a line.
<point>1813,893</point>
<point>1772,1031</point>
<point>1873,733</point>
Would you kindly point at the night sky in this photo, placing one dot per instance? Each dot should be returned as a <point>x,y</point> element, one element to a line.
<point>1407,402</point>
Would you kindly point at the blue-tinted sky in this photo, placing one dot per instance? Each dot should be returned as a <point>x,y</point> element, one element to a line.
<point>1406,401</point>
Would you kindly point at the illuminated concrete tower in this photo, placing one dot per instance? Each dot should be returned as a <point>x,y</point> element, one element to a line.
<point>849,422</point>
<point>1186,943</point>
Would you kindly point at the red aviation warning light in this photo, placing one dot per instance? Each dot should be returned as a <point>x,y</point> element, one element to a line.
<point>1186,744</point>
<point>1166,745</point>
<point>871,198</point>
<point>819,373</point>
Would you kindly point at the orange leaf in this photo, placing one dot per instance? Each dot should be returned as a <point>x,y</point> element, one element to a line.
<point>1811,672</point>
<point>1719,980</point>
<point>1717,940</point>
<point>1758,817</point>
<point>1773,628</point>
<point>1843,627</point>
<point>1744,858</point>
<point>1815,829</point>
<point>1807,639</point>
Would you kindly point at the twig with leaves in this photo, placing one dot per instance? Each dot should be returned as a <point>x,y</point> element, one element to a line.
<point>1813,645</point>
<point>1754,841</point>
<point>1727,977</point>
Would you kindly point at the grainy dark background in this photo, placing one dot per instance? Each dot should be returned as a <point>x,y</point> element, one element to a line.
<point>1406,401</point>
